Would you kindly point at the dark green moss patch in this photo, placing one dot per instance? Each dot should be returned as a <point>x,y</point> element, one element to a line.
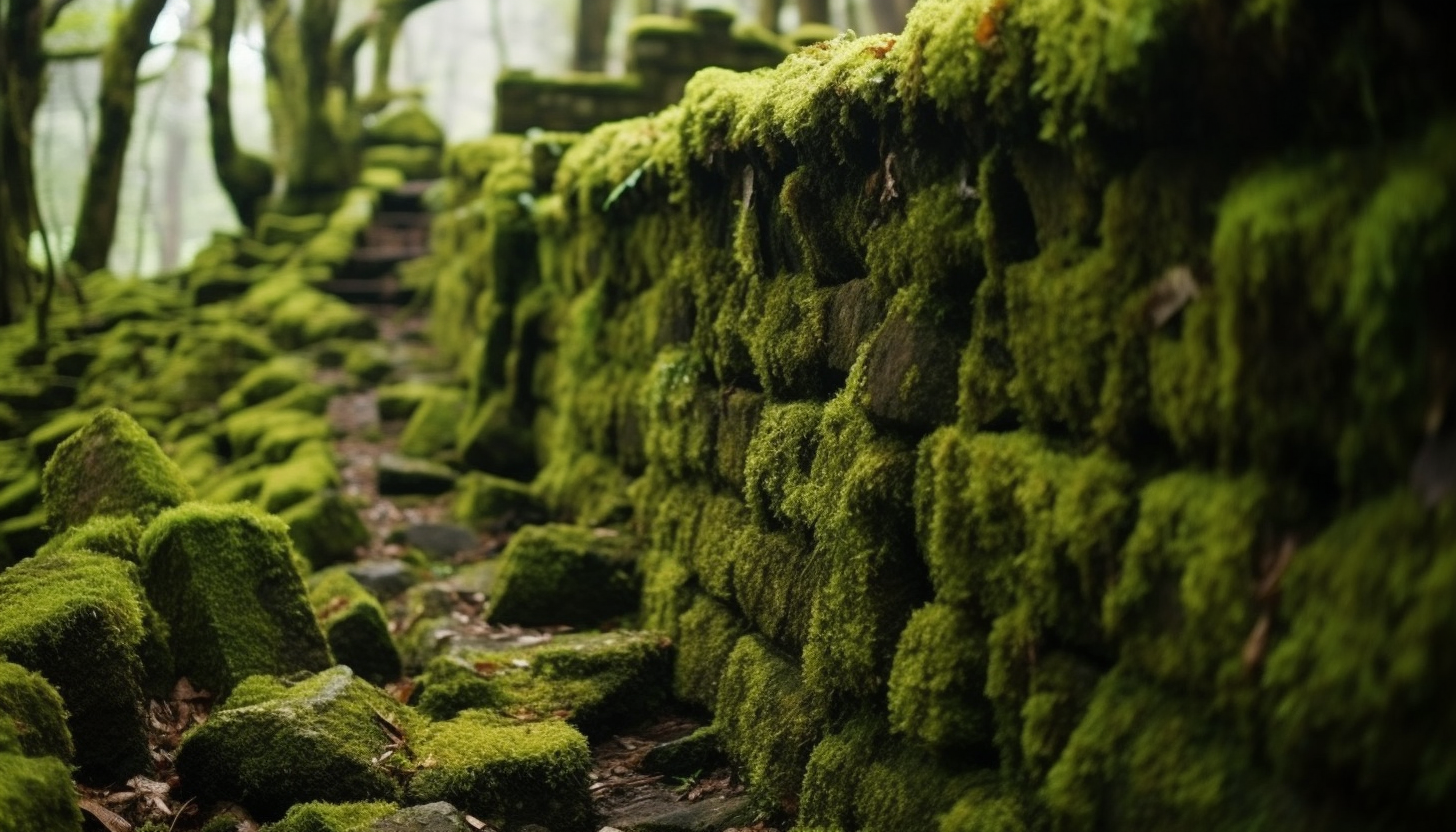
<point>564,575</point>
<point>111,466</point>
<point>355,626</point>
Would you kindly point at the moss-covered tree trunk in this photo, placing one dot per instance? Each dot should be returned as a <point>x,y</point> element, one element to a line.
<point>813,11</point>
<point>768,14</point>
<point>390,19</point>
<point>890,14</point>
<point>245,178</point>
<point>100,199</point>
<point>594,18</point>
<point>21,69</point>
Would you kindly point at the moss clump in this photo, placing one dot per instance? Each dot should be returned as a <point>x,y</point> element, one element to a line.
<point>111,466</point>
<point>194,558</point>
<point>36,713</point>
<point>355,625</point>
<point>407,126</point>
<point>1354,681</point>
<point>44,440</point>
<point>368,361</point>
<point>119,537</point>
<point>399,401</point>
<point>708,633</point>
<point>506,773</point>
<point>779,460</point>
<point>282,429</point>
<point>332,817</point>
<point>325,528</point>
<point>78,620</point>
<point>266,381</point>
<point>560,574</point>
<point>490,501</point>
<point>938,680</point>
<point>271,745</point>
<point>308,472</point>
<point>758,680</point>
<point>37,794</point>
<point>432,427</point>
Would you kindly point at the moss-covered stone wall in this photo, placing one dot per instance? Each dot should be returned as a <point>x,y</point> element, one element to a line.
<point>1035,419</point>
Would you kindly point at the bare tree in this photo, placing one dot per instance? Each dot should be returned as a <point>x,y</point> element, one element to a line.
<point>594,19</point>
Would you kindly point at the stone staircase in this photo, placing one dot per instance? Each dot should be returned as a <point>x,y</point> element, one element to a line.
<point>399,232</point>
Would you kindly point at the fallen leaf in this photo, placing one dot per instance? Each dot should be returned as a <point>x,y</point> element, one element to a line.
<point>109,819</point>
<point>486,668</point>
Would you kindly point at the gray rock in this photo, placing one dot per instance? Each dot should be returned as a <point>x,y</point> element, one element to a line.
<point>707,815</point>
<point>440,540</point>
<point>402,475</point>
<point>430,817</point>
<point>385,579</point>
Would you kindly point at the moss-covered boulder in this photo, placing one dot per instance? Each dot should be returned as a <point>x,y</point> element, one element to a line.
<point>266,381</point>
<point>507,772</point>
<point>599,682</point>
<point>399,401</point>
<point>271,745</point>
<point>759,680</point>
<point>325,528</point>
<point>402,475</point>
<point>431,429</point>
<point>111,466</point>
<point>488,501</point>
<point>78,620</point>
<point>35,710</point>
<point>104,534</point>
<point>558,574</point>
<point>37,794</point>
<point>355,624</point>
<point>194,560</point>
<point>332,817</point>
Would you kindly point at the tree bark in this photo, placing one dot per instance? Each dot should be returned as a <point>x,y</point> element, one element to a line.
<point>593,20</point>
<point>890,14</point>
<point>813,11</point>
<point>22,66</point>
<point>246,179</point>
<point>768,14</point>
<point>96,224</point>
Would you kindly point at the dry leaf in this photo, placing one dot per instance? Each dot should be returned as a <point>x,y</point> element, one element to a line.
<point>1174,290</point>
<point>109,819</point>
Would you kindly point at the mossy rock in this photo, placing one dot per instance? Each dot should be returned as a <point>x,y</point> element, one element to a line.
<point>110,466</point>
<point>264,382</point>
<point>310,471</point>
<point>194,558</point>
<point>506,772</point>
<point>560,574</point>
<point>938,680</point>
<point>402,475</point>
<point>399,401</point>
<point>413,162</point>
<point>432,426</point>
<point>707,633</point>
<point>369,362</point>
<point>496,441</point>
<point>44,440</point>
<point>119,537</point>
<point>410,126</point>
<point>36,712</point>
<point>273,228</point>
<point>332,817</point>
<point>599,682</point>
<point>272,745</point>
<point>325,528</point>
<point>37,794</point>
<point>78,620</point>
<point>489,501</point>
<point>355,625</point>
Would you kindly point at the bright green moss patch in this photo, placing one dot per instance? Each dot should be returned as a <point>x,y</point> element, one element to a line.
<point>937,684</point>
<point>355,625</point>
<point>507,774</point>
<point>308,472</point>
<point>332,817</point>
<point>264,382</point>
<point>564,575</point>
<point>111,466</point>
<point>708,633</point>
<point>37,794</point>
<point>35,712</point>
<point>758,680</point>
<point>78,620</point>
<point>489,501</point>
<point>431,428</point>
<point>274,745</point>
<point>325,528</point>
<point>194,559</point>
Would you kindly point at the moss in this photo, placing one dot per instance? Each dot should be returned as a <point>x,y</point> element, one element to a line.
<point>507,774</point>
<point>682,415</point>
<point>21,496</point>
<point>564,575</point>
<point>757,680</point>
<point>273,745</point>
<point>325,528</point>
<point>266,381</point>
<point>406,126</point>
<point>37,794</point>
<point>308,472</point>
<point>776,577</point>
<point>369,362</point>
<point>44,440</point>
<point>708,634</point>
<point>779,458</point>
<point>246,430</point>
<point>742,410</point>
<point>119,537</point>
<point>111,466</point>
<point>293,438</point>
<point>490,501</point>
<point>413,162</point>
<point>404,475</point>
<point>332,817</point>
<point>1352,683</point>
<point>355,625</point>
<point>835,769</point>
<point>496,440</point>
<point>906,788</point>
<point>194,558</point>
<point>36,713</point>
<point>78,620</point>
<point>432,427</point>
<point>938,680</point>
<point>399,401</point>
<point>306,316</point>
<point>788,344</point>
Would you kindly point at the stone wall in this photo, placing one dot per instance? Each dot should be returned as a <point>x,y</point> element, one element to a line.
<point>1039,420</point>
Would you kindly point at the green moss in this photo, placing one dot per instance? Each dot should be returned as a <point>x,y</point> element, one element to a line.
<point>37,794</point>
<point>35,712</point>
<point>332,817</point>
<point>496,440</point>
<point>119,537</point>
<point>564,575</point>
<point>309,472</point>
<point>111,466</point>
<point>399,401</point>
<point>414,162</point>
<point>246,430</point>
<point>432,427</point>
<point>273,745</point>
<point>757,680</point>
<point>708,633</point>
<point>682,415</point>
<point>835,769</point>
<point>779,459</point>
<point>78,620</point>
<point>44,440</point>
<point>406,126</point>
<point>490,501</point>
<point>938,680</point>
<point>507,774</point>
<point>776,577</point>
<point>370,362</point>
<point>266,381</point>
<point>193,560</point>
<point>325,528</point>
<point>355,625</point>
<point>788,344</point>
<point>290,439</point>
<point>906,788</point>
<point>1352,683</point>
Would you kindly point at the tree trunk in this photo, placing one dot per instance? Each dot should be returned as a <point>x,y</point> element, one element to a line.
<point>592,22</point>
<point>22,66</point>
<point>890,14</point>
<point>245,178</point>
<point>96,224</point>
<point>813,11</point>
<point>768,14</point>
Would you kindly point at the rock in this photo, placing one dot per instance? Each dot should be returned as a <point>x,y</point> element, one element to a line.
<point>223,578</point>
<point>559,574</point>
<point>325,529</point>
<point>332,817</point>
<point>119,537</point>
<point>384,579</point>
<point>266,381</point>
<point>355,625</point>
<point>507,772</point>
<point>271,745</point>
<point>911,374</point>
<point>440,540</point>
<point>498,440</point>
<point>432,426</point>
<point>111,466</point>
<point>399,401</point>
<point>34,711</point>
<point>78,620</point>
<point>684,757</point>
<point>431,817</point>
<point>37,794</point>
<point>709,815</point>
<point>402,475</point>
<point>489,501</point>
